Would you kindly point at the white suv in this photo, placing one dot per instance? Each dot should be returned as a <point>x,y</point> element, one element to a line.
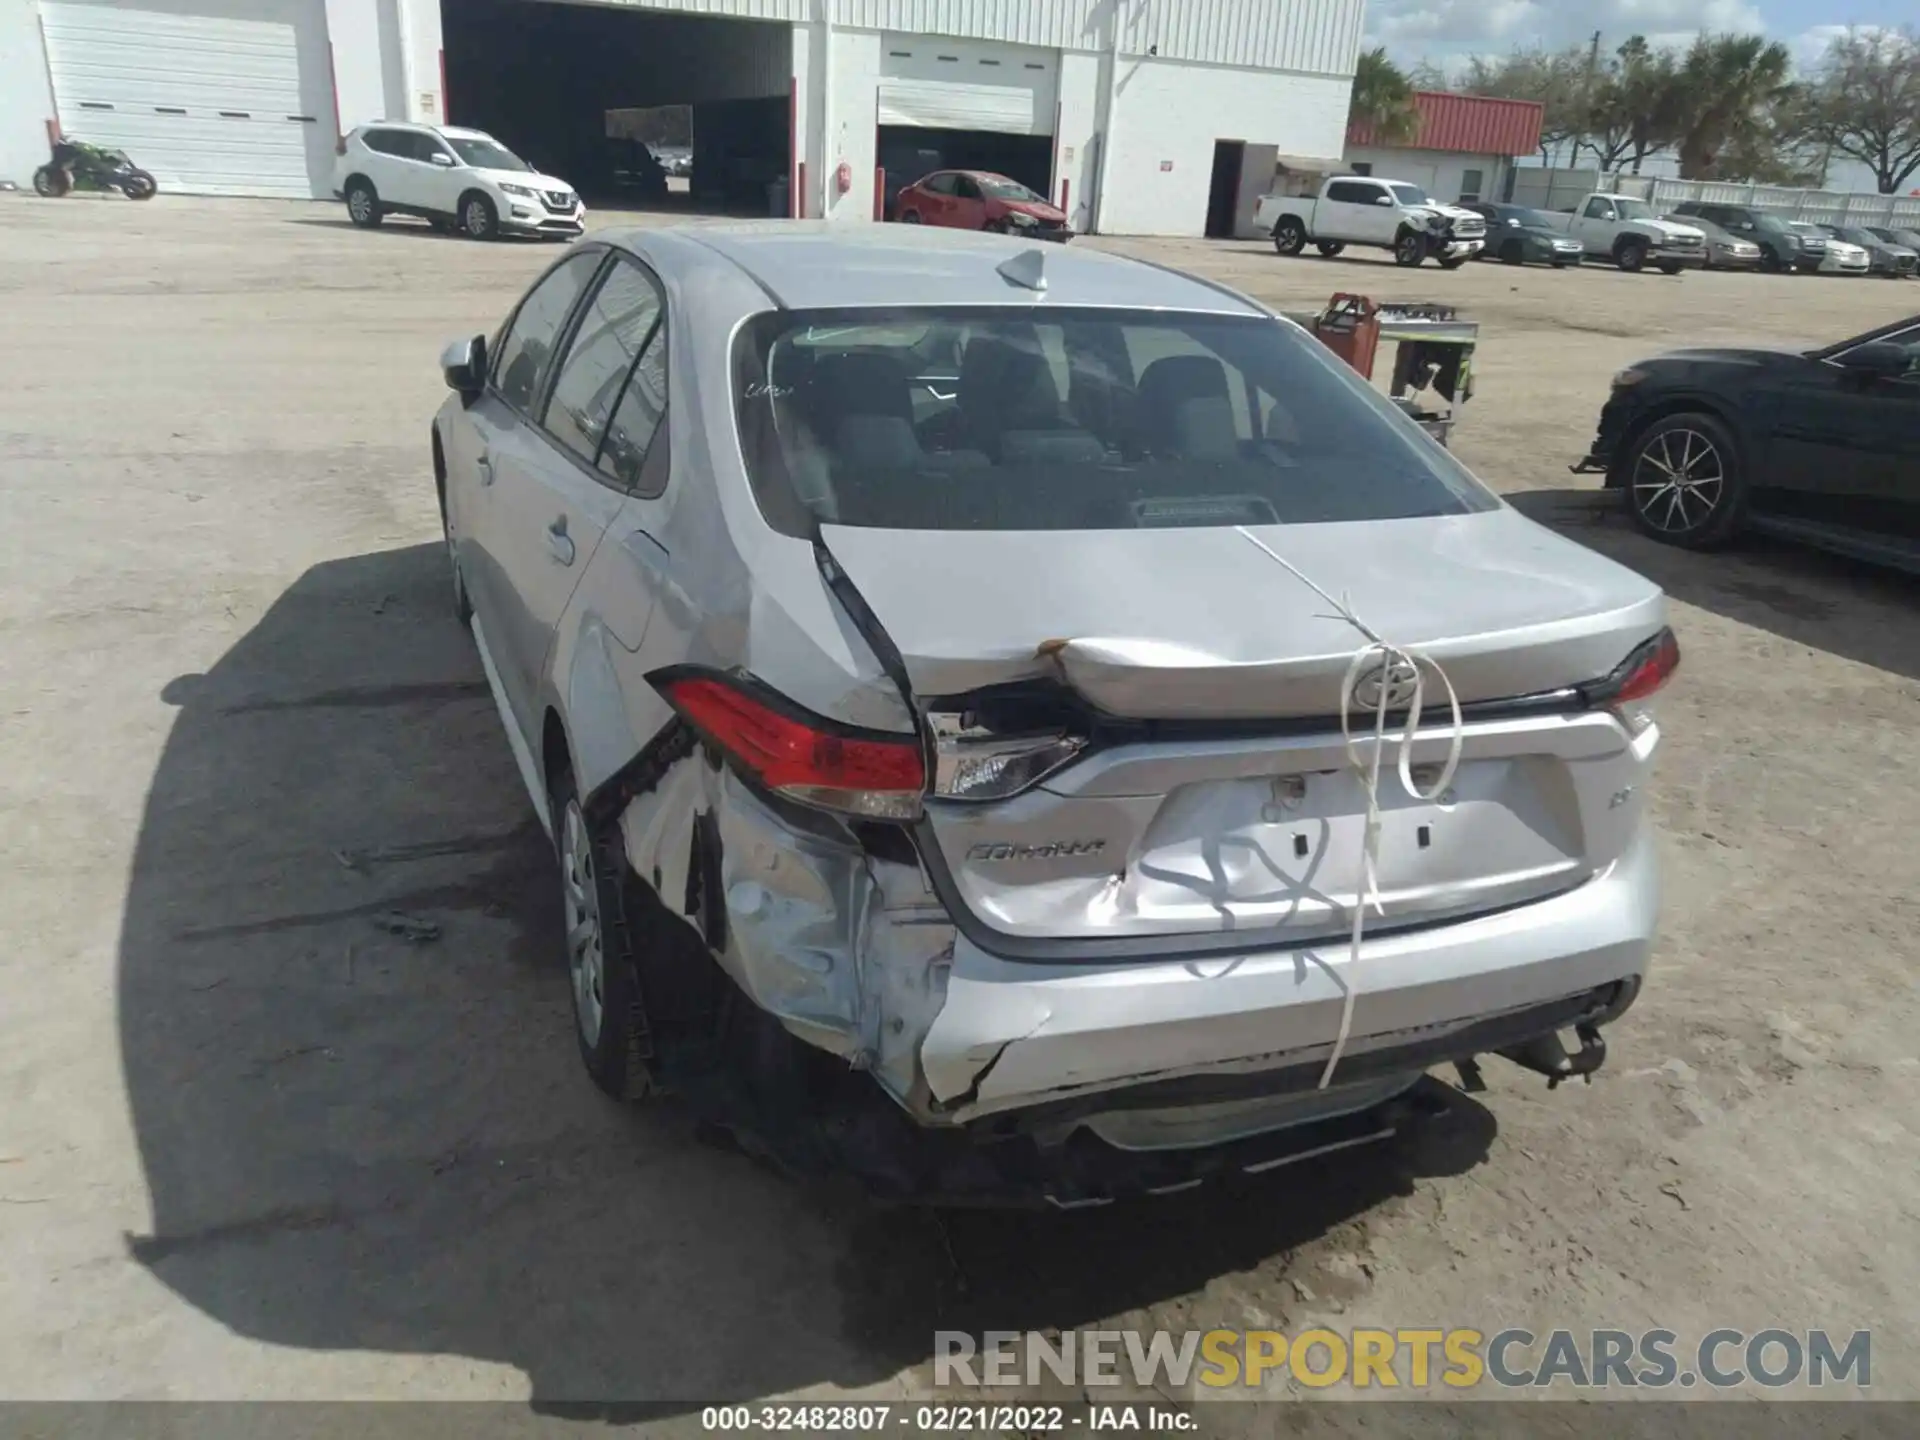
<point>454,179</point>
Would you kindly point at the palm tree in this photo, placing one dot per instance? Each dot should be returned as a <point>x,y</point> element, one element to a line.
<point>1383,99</point>
<point>1728,86</point>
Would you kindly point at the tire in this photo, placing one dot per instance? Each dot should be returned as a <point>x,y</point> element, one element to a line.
<point>139,185</point>
<point>478,219</point>
<point>1703,514</point>
<point>910,217</point>
<point>1513,253</point>
<point>608,1022</point>
<point>1631,255</point>
<point>50,182</point>
<point>363,203</point>
<point>1770,262</point>
<point>1330,248</point>
<point>1289,235</point>
<point>995,227</point>
<point>1409,249</point>
<point>1671,267</point>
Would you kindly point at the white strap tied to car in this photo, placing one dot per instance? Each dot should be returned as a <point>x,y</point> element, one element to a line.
<point>1389,657</point>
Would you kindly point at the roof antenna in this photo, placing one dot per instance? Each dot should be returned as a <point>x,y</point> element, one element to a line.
<point>1027,270</point>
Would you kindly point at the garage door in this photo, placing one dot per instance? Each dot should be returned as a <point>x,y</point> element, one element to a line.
<point>967,85</point>
<point>215,97</point>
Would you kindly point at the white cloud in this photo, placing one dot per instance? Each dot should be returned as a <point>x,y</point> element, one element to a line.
<point>1440,30</point>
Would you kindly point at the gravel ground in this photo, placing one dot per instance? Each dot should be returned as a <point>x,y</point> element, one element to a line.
<point>253,1145</point>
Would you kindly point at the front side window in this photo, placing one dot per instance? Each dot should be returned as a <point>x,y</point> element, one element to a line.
<point>614,328</point>
<point>964,187</point>
<point>1070,420</point>
<point>525,353</point>
<point>483,154</point>
<point>1599,209</point>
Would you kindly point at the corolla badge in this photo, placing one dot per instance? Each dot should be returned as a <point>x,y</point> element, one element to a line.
<point>995,851</point>
<point>1371,682</point>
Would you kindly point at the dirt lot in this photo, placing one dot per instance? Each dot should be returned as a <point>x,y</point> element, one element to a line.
<point>252,1145</point>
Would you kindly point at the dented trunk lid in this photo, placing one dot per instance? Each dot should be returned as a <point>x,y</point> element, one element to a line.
<point>1219,810</point>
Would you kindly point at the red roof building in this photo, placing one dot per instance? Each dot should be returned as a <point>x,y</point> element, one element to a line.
<point>1463,149</point>
<point>1470,124</point>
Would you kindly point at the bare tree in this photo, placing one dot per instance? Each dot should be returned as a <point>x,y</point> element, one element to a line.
<point>1865,102</point>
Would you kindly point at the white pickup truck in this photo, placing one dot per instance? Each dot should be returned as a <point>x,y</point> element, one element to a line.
<point>1361,210</point>
<point>1626,230</point>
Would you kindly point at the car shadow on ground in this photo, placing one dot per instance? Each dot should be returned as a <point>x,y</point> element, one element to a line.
<point>352,1076</point>
<point>1829,602</point>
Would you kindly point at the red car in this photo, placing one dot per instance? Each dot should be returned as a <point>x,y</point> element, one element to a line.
<point>980,200</point>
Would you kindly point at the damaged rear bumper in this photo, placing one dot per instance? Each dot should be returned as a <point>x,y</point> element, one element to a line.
<point>1013,1034</point>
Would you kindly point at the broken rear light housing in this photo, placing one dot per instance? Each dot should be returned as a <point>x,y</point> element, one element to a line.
<point>1635,680</point>
<point>795,753</point>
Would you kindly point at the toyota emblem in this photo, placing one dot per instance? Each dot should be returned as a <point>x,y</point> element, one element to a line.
<point>1398,687</point>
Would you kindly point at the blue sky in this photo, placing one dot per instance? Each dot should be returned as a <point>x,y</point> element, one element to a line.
<point>1443,30</point>
<point>1446,31</point>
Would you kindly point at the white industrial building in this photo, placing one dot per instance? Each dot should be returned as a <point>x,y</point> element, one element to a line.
<point>1143,116</point>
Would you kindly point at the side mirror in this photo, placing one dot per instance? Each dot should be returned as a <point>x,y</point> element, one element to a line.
<point>442,159</point>
<point>1383,200</point>
<point>1512,223</point>
<point>464,363</point>
<point>1878,360</point>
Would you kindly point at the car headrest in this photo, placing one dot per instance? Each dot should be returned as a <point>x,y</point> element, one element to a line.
<point>1185,407</point>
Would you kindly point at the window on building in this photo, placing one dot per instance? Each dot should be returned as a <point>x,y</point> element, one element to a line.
<point>1470,183</point>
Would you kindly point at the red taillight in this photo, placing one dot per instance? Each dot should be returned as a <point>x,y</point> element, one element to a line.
<point>1644,671</point>
<point>799,755</point>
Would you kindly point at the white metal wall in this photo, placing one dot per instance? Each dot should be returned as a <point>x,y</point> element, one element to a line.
<point>1169,114</point>
<point>1442,172</point>
<point>1314,36</point>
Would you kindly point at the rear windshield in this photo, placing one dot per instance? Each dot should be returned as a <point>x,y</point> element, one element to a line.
<point>1071,419</point>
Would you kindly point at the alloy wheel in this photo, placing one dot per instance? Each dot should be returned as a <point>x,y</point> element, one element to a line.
<point>478,219</point>
<point>360,204</point>
<point>586,956</point>
<point>1679,479</point>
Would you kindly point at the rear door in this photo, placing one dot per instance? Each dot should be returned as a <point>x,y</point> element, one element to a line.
<point>573,469</point>
<point>508,457</point>
<point>1346,212</point>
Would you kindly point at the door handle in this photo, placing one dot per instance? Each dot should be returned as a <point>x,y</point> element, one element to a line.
<point>486,470</point>
<point>559,542</point>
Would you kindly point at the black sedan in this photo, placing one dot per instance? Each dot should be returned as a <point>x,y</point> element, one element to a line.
<point>1520,236</point>
<point>1822,447</point>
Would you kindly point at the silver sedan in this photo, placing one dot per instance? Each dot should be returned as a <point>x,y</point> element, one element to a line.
<point>1027,725</point>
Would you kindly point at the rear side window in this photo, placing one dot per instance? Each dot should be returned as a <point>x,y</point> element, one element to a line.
<point>614,329</point>
<point>386,142</point>
<point>1009,419</point>
<point>939,184</point>
<point>525,353</point>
